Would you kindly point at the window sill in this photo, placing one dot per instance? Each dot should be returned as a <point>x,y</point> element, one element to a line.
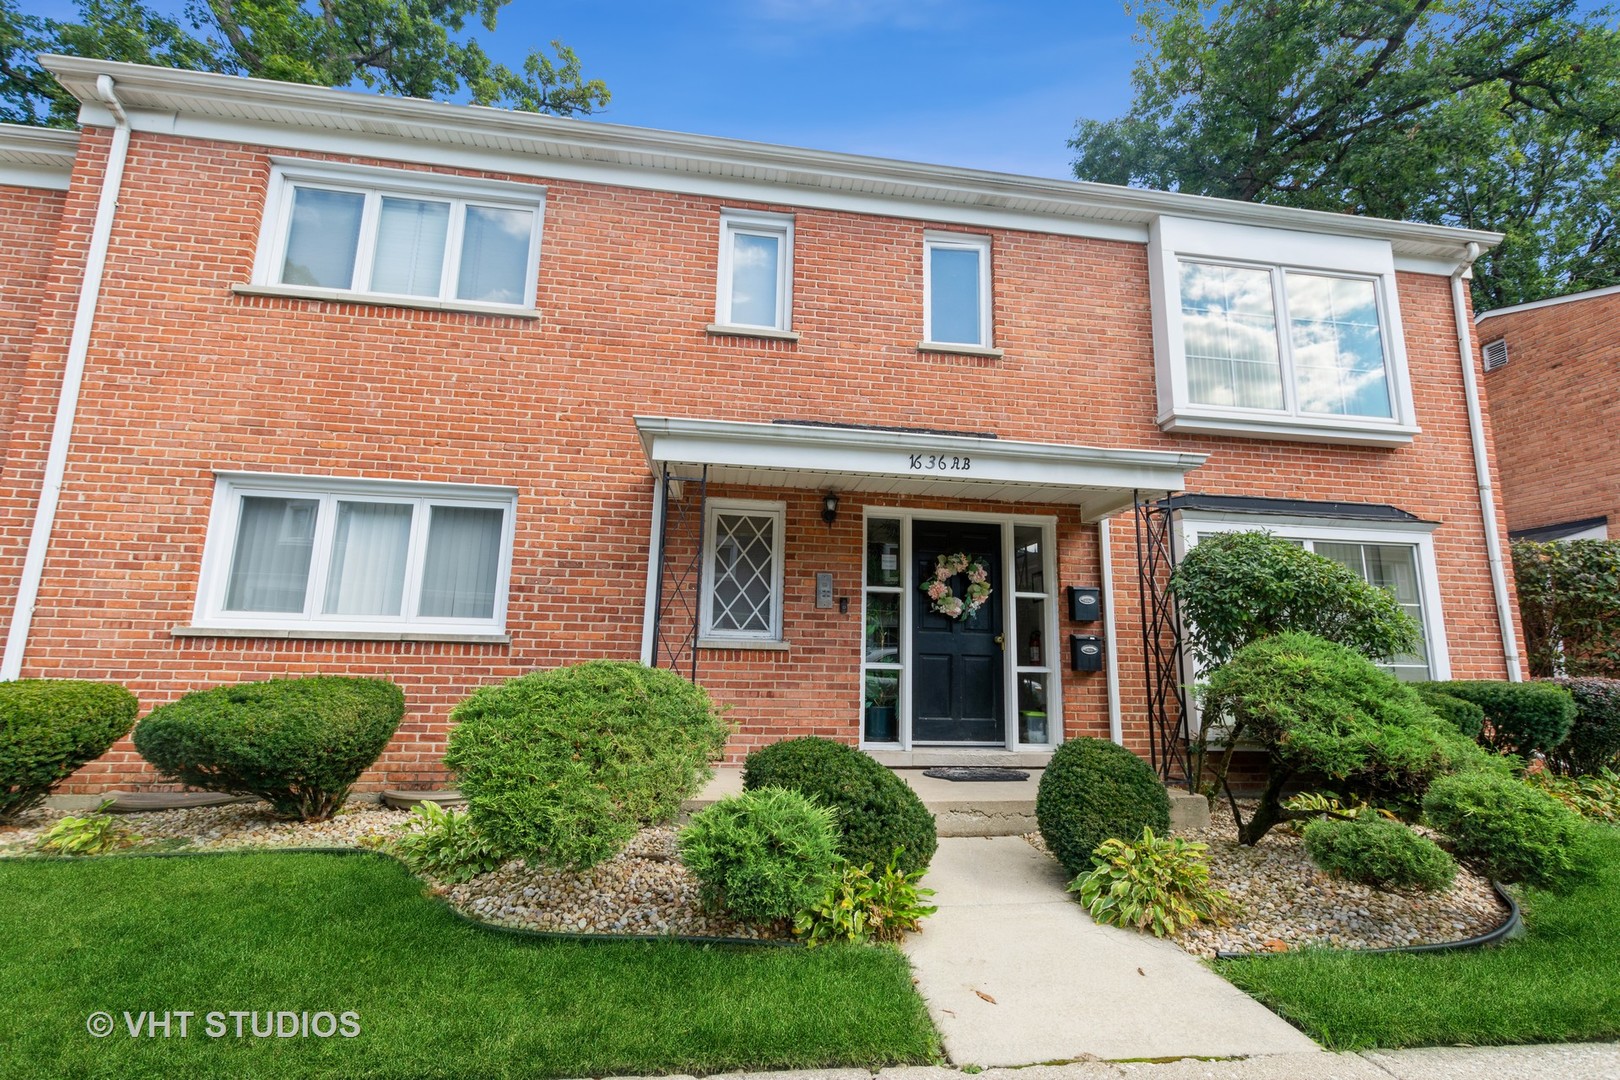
<point>766,332</point>
<point>959,350</point>
<point>337,635</point>
<point>343,296</point>
<point>755,644</point>
<point>1291,429</point>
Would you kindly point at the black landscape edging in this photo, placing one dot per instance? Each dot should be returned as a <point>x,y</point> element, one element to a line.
<point>1509,928</point>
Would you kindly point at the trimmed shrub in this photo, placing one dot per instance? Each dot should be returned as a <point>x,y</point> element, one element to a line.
<point>1465,716</point>
<point>1238,587</point>
<point>48,728</point>
<point>1323,711</point>
<point>1594,738</point>
<point>764,855</point>
<point>878,813</point>
<point>1375,851</point>
<point>1520,718</point>
<point>298,744</point>
<point>1093,791</point>
<point>1509,830</point>
<point>562,767</point>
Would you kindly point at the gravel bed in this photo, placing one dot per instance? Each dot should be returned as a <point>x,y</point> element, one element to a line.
<point>642,890</point>
<point>1286,903</point>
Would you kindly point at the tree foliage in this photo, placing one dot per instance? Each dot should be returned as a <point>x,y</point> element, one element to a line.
<point>412,48</point>
<point>1569,603</point>
<point>1491,114</point>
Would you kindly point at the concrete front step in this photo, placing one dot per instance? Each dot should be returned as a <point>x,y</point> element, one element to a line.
<point>968,808</point>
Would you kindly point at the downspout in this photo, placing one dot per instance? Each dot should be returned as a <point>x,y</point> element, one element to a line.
<point>67,406</point>
<point>1105,562</point>
<point>1482,468</point>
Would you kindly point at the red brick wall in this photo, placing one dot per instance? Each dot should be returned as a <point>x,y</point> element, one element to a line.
<point>28,221</point>
<point>185,378</point>
<point>1556,407</point>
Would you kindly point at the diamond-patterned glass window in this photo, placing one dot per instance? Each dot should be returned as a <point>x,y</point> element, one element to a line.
<point>743,574</point>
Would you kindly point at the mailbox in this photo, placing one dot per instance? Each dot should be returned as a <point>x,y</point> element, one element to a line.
<point>1085,652</point>
<point>1085,603</point>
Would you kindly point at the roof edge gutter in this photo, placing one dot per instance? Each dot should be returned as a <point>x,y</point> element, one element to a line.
<point>1482,470</point>
<point>50,492</point>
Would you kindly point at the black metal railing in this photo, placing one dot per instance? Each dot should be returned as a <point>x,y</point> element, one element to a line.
<point>1164,663</point>
<point>677,614</point>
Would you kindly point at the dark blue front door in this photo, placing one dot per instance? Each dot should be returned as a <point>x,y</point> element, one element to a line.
<point>956,687</point>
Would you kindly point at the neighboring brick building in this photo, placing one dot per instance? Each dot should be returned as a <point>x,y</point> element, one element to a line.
<point>1552,376</point>
<point>443,394</point>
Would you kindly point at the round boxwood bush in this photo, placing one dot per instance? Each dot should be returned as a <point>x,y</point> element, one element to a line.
<point>298,744</point>
<point>562,767</point>
<point>1522,718</point>
<point>49,727</point>
<point>764,855</point>
<point>1594,739</point>
<point>1465,716</point>
<point>1376,851</point>
<point>1509,830</point>
<point>878,812</point>
<point>1093,791</point>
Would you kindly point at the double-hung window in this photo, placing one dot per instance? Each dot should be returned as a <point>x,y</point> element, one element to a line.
<point>956,290</point>
<point>314,554</point>
<point>756,272</point>
<point>1280,335</point>
<point>415,237</point>
<point>742,571</point>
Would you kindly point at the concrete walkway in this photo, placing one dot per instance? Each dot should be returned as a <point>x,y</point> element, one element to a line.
<point>1016,973</point>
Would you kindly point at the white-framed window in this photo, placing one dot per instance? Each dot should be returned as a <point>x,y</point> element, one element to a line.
<point>387,233</point>
<point>755,270</point>
<point>1396,556</point>
<point>320,553</point>
<point>1277,334</point>
<point>956,290</point>
<point>742,570</point>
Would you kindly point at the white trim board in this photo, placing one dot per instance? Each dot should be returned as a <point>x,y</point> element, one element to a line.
<point>1552,301</point>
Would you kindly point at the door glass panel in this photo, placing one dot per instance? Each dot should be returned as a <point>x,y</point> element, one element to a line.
<point>882,628</point>
<point>1029,572</point>
<point>1031,629</point>
<point>882,552</point>
<point>1033,724</point>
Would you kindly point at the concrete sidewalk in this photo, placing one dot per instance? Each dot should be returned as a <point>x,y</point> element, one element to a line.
<point>1016,973</point>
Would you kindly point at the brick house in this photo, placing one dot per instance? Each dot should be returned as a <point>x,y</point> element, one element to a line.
<point>1552,376</point>
<point>298,380</point>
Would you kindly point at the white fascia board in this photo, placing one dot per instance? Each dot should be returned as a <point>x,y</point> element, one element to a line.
<point>1553,301</point>
<point>37,157</point>
<point>43,177</point>
<point>863,452</point>
<point>237,104</point>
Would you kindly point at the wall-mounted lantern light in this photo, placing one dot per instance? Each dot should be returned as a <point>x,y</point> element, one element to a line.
<point>829,507</point>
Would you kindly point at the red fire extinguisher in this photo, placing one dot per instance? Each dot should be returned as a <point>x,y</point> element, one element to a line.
<point>1034,646</point>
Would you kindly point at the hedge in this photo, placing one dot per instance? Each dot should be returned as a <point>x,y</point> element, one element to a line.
<point>50,727</point>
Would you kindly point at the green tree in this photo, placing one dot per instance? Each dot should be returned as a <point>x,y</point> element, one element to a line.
<point>413,48</point>
<point>1492,114</point>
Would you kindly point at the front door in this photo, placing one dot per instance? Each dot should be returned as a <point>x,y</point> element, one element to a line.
<point>956,687</point>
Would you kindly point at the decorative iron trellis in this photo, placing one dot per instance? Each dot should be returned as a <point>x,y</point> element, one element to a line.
<point>676,606</point>
<point>1163,660</point>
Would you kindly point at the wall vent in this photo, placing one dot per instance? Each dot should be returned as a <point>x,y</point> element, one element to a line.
<point>1495,353</point>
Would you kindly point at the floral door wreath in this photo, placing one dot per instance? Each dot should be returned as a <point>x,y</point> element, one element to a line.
<point>945,600</point>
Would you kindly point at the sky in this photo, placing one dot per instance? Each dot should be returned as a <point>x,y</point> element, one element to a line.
<point>988,84</point>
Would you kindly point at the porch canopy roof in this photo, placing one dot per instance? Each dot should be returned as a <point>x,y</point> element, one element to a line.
<point>898,461</point>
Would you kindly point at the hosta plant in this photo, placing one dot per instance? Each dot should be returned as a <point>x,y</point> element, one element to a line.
<point>1158,884</point>
<point>1595,797</point>
<point>444,844</point>
<point>861,905</point>
<point>95,834</point>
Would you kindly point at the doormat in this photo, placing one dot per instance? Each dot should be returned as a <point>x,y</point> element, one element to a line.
<point>979,773</point>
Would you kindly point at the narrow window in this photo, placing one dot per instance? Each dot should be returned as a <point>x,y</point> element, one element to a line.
<point>956,290</point>
<point>756,257</point>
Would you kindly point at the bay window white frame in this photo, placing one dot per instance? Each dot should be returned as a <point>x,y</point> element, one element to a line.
<point>1174,241</point>
<point>1191,525</point>
<point>958,242</point>
<point>708,634</point>
<point>755,223</point>
<point>219,552</point>
<point>458,192</point>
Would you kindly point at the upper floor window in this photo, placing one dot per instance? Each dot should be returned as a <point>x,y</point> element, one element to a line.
<point>382,233</point>
<point>756,271</point>
<point>312,553</point>
<point>1277,334</point>
<point>956,290</point>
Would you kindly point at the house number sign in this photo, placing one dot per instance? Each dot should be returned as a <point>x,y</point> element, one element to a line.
<point>940,463</point>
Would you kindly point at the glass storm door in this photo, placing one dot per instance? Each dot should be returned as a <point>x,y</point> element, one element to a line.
<point>956,688</point>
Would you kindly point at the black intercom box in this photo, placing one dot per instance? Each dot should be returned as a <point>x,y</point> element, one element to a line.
<point>1085,603</point>
<point>1085,652</point>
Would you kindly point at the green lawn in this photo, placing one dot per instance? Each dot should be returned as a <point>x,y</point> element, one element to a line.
<point>436,997</point>
<point>1560,983</point>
